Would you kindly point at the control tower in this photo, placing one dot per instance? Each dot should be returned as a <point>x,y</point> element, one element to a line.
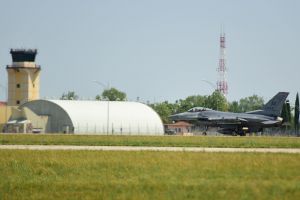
<point>23,77</point>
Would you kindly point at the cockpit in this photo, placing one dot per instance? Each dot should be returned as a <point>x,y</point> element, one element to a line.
<point>198,109</point>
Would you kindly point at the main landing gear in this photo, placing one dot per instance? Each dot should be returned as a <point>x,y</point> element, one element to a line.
<point>205,131</point>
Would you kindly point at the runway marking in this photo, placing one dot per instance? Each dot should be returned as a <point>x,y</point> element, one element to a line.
<point>137,148</point>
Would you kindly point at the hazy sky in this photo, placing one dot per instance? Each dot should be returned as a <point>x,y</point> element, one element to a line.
<point>157,49</point>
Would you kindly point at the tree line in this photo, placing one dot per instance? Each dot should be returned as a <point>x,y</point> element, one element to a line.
<point>215,101</point>
<point>111,94</point>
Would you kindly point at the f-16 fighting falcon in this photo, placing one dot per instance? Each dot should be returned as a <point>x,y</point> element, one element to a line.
<point>237,123</point>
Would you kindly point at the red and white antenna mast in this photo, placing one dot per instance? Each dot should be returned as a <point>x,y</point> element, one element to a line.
<point>222,85</point>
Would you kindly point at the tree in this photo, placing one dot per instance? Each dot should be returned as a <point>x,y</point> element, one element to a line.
<point>217,101</point>
<point>289,113</point>
<point>234,107</point>
<point>296,117</point>
<point>70,95</point>
<point>286,113</point>
<point>164,110</point>
<point>112,94</point>
<point>253,102</point>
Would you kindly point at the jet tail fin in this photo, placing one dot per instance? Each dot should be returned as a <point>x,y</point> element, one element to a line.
<point>274,106</point>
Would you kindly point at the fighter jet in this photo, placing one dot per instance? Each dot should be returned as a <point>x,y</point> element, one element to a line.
<point>237,123</point>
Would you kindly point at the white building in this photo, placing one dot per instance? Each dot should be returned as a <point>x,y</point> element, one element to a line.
<point>89,117</point>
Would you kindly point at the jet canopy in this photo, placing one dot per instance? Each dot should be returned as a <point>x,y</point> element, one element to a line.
<point>198,109</point>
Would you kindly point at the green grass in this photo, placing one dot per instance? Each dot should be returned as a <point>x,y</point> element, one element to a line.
<point>179,141</point>
<point>147,175</point>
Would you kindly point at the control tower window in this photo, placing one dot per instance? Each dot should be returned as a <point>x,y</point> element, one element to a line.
<point>18,85</point>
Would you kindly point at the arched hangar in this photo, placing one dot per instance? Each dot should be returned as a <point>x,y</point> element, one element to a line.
<point>93,117</point>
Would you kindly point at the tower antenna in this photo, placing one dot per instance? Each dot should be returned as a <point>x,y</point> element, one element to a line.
<point>222,85</point>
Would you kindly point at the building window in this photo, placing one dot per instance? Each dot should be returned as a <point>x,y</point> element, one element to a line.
<point>18,85</point>
<point>18,102</point>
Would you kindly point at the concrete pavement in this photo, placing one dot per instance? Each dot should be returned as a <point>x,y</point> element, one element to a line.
<point>140,148</point>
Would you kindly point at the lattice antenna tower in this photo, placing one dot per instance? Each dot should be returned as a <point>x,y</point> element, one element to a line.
<point>222,85</point>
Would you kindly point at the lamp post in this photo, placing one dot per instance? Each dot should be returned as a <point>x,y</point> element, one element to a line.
<point>213,86</point>
<point>210,83</point>
<point>105,87</point>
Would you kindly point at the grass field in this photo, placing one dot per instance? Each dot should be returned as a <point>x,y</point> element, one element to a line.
<point>147,175</point>
<point>173,141</point>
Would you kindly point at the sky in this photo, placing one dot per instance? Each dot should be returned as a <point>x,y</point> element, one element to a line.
<point>156,50</point>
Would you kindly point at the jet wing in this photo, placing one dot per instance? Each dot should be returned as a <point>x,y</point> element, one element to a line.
<point>227,120</point>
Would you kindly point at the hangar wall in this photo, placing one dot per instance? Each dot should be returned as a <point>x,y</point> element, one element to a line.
<point>57,116</point>
<point>97,117</point>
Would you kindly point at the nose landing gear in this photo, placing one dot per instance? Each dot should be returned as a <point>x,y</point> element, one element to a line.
<point>205,130</point>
